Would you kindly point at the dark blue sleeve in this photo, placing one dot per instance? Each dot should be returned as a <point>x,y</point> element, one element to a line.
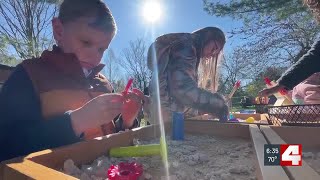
<point>302,69</point>
<point>22,127</point>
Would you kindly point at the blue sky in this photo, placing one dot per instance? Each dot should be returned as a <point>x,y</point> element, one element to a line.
<point>178,16</point>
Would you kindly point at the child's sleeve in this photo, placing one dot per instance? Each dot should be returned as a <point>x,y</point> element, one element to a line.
<point>302,69</point>
<point>22,128</point>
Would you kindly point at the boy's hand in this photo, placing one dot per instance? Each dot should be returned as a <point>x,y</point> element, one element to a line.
<point>100,110</point>
<point>131,107</point>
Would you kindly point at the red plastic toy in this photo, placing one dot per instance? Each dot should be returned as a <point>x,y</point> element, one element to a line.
<point>125,171</point>
<point>126,90</point>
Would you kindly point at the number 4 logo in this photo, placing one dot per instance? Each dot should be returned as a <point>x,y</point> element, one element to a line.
<point>291,154</point>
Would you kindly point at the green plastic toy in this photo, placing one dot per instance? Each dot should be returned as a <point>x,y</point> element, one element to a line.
<point>142,150</point>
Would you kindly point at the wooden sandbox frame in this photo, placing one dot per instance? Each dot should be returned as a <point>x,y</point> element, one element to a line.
<point>307,136</point>
<point>45,164</point>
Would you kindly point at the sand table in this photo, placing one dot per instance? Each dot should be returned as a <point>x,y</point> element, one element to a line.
<point>197,157</point>
<point>313,160</point>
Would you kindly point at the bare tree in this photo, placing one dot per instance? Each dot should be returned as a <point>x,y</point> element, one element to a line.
<point>134,62</point>
<point>111,68</point>
<point>274,32</point>
<point>233,68</point>
<point>236,67</point>
<point>25,25</point>
<point>277,42</point>
<point>119,85</point>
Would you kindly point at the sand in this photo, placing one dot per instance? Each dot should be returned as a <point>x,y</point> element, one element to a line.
<point>197,157</point>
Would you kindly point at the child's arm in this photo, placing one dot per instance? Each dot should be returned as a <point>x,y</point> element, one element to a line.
<point>184,88</point>
<point>22,129</point>
<point>302,69</point>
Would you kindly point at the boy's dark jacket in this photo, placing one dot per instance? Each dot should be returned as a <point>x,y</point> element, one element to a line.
<point>36,98</point>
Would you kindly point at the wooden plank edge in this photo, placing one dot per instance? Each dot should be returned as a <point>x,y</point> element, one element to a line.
<point>26,169</point>
<point>304,172</point>
<point>264,172</point>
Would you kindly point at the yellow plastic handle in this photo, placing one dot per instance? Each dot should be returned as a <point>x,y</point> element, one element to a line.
<point>136,151</point>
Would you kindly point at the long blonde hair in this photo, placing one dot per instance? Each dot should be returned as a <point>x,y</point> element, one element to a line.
<point>208,76</point>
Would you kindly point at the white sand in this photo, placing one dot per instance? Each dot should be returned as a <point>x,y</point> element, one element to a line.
<point>197,157</point>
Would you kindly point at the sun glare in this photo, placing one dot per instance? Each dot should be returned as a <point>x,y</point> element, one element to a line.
<point>152,11</point>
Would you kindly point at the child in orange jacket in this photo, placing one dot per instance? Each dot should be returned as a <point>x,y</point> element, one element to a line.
<point>61,97</point>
